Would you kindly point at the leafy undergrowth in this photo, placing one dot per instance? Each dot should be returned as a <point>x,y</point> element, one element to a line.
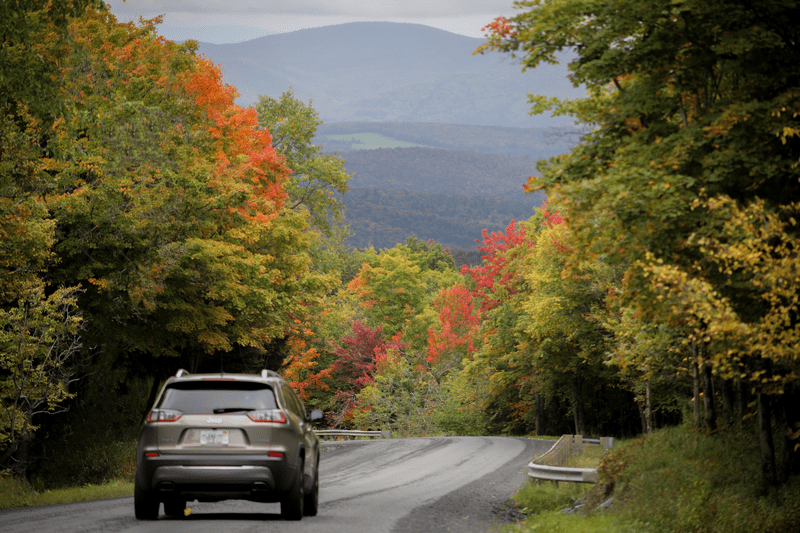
<point>676,480</point>
<point>17,493</point>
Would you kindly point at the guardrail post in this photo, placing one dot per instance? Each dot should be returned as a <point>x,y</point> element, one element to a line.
<point>579,444</point>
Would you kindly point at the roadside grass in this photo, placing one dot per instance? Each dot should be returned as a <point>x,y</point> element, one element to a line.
<point>18,493</point>
<point>590,458</point>
<point>676,480</point>
<point>93,471</point>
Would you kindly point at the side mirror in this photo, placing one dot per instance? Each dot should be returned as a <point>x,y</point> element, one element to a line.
<point>317,416</point>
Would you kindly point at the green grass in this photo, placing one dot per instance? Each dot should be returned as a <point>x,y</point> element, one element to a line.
<point>676,480</point>
<point>590,458</point>
<point>368,141</point>
<point>17,493</point>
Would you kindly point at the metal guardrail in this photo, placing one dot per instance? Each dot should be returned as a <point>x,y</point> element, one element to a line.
<point>353,433</point>
<point>550,465</point>
<point>563,473</point>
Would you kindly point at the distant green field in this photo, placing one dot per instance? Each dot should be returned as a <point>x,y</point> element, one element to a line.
<point>368,141</point>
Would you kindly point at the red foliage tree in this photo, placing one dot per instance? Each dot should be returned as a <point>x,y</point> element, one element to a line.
<point>494,271</point>
<point>357,357</point>
<point>459,322</point>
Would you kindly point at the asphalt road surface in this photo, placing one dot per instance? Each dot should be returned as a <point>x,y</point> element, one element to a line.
<point>418,485</point>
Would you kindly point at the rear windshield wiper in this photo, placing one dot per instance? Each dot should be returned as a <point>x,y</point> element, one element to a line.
<point>220,410</point>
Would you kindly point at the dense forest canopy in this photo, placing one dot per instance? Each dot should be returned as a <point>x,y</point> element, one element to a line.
<point>688,185</point>
<point>527,143</point>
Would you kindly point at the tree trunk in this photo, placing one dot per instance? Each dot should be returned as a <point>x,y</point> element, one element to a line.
<point>709,405</point>
<point>727,402</point>
<point>577,406</point>
<point>741,394</point>
<point>539,414</point>
<point>765,438</point>
<point>791,432</point>
<point>695,387</point>
<point>648,408</point>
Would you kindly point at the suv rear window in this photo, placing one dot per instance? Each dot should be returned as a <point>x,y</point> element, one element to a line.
<point>217,397</point>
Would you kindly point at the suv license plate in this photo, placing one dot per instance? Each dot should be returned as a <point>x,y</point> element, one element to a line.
<point>214,436</point>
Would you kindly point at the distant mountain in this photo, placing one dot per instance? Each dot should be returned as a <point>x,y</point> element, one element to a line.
<point>390,72</point>
<point>446,195</point>
<point>385,217</point>
<point>433,170</point>
<point>528,143</point>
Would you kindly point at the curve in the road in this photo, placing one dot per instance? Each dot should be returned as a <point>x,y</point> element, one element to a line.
<point>394,485</point>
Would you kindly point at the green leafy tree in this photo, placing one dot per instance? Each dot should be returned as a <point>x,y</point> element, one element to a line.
<point>38,340</point>
<point>26,232</point>
<point>397,290</point>
<point>316,177</point>
<point>693,105</point>
<point>33,34</point>
<point>403,397</point>
<point>170,209</point>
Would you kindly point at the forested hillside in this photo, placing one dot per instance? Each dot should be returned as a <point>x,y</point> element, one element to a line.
<point>439,171</point>
<point>445,195</point>
<point>526,143</point>
<point>384,218</point>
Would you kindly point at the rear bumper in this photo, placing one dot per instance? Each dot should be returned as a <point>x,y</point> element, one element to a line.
<point>219,475</point>
<point>216,477</point>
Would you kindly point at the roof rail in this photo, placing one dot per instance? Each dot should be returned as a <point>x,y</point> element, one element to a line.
<point>269,374</point>
<point>180,373</point>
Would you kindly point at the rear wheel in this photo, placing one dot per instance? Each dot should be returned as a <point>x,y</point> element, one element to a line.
<point>292,502</point>
<point>311,500</point>
<point>174,507</point>
<point>145,503</point>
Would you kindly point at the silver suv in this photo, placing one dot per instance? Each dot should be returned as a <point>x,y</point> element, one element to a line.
<point>212,437</point>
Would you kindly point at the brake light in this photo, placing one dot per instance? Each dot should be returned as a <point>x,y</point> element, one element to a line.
<point>273,416</point>
<point>276,454</point>
<point>163,415</point>
<point>151,454</point>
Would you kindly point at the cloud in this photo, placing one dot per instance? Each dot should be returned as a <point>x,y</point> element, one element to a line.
<point>371,9</point>
<point>220,21</point>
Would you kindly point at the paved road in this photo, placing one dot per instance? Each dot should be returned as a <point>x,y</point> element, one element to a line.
<point>395,486</point>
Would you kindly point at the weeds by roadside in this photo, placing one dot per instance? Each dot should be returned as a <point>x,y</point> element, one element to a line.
<point>17,493</point>
<point>676,480</point>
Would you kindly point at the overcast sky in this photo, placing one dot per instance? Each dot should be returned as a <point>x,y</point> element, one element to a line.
<point>226,21</point>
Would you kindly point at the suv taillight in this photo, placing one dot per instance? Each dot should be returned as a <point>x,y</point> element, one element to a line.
<point>163,415</point>
<point>275,416</point>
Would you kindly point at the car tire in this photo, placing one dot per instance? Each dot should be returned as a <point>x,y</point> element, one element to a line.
<point>145,503</point>
<point>174,508</point>
<point>292,502</point>
<point>311,499</point>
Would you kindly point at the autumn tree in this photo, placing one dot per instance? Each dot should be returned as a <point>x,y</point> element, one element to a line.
<point>454,336</point>
<point>38,325</point>
<point>34,35</point>
<point>169,211</point>
<point>403,396</point>
<point>316,177</point>
<point>400,285</point>
<point>357,355</point>
<point>693,105</point>
<point>490,391</point>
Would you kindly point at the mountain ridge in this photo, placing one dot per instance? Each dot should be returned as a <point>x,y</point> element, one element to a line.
<point>390,72</point>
